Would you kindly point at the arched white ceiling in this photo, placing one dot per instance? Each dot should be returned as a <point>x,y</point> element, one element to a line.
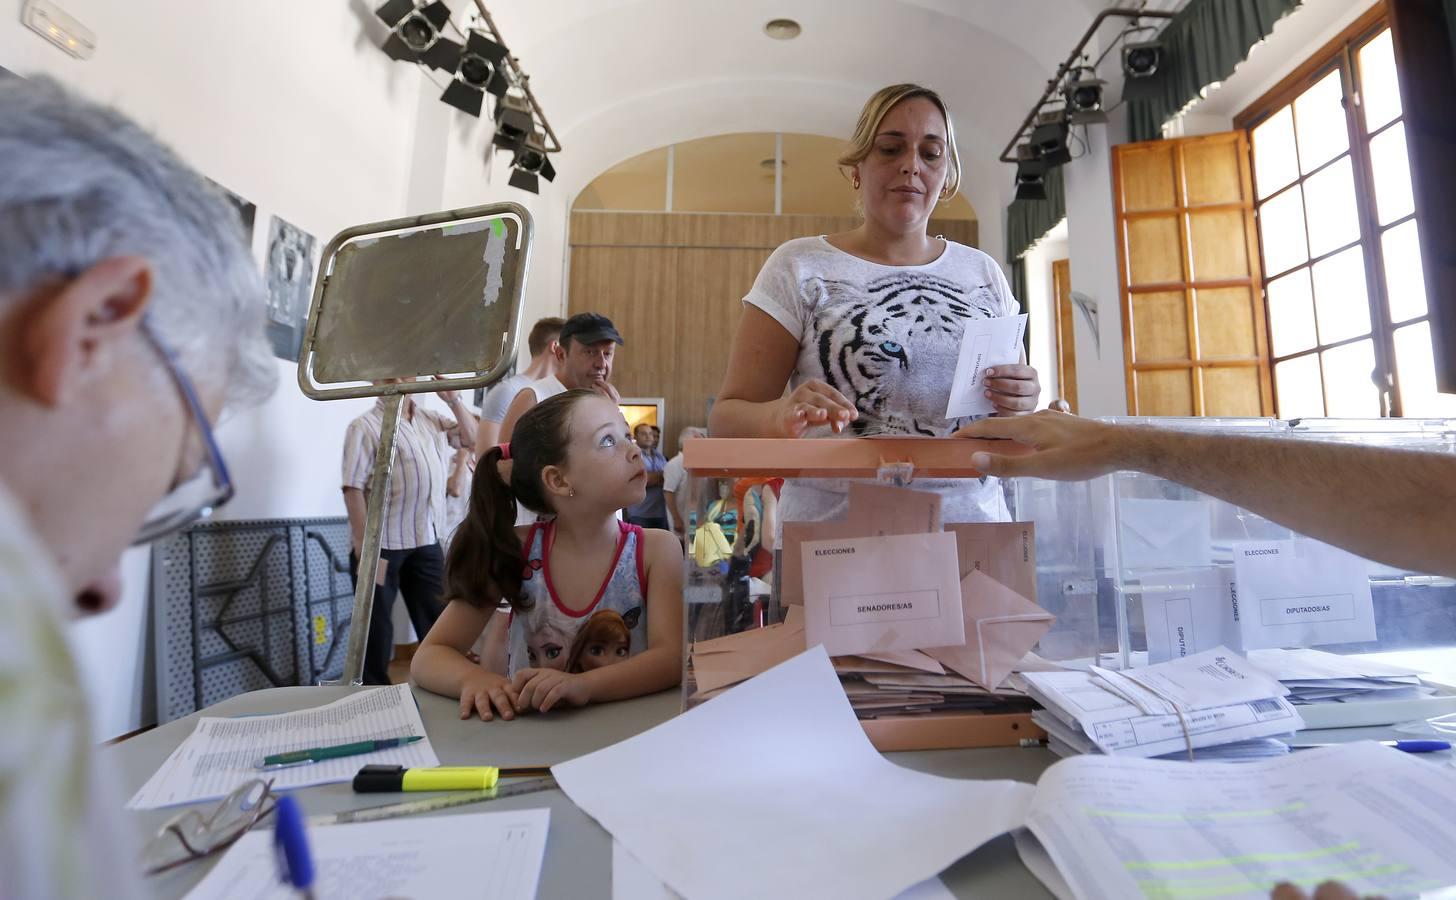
<point>619,77</point>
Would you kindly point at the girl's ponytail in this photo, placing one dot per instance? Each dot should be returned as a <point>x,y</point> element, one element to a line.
<point>485,561</point>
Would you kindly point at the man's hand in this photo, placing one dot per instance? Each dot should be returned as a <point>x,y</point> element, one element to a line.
<point>606,390</point>
<point>543,689</point>
<point>485,690</point>
<point>813,403</point>
<point>1013,389</point>
<point>1064,447</point>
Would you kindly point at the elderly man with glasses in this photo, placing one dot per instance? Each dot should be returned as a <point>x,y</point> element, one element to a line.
<point>131,316</point>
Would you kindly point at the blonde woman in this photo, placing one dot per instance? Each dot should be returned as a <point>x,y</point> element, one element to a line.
<point>865,326</point>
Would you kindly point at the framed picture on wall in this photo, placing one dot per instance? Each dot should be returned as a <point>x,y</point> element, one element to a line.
<point>289,269</point>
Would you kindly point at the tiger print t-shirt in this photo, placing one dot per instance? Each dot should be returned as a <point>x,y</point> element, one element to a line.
<point>887,338</point>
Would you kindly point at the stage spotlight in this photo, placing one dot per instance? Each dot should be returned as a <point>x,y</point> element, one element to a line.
<point>1030,174</point>
<point>513,122</point>
<point>1049,139</point>
<point>1141,59</point>
<point>481,69</point>
<point>416,33</point>
<point>530,162</point>
<point>1084,100</point>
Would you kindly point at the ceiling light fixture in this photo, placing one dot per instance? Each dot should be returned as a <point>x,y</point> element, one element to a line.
<point>782,29</point>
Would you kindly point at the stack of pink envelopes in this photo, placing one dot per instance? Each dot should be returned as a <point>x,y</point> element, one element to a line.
<point>918,617</point>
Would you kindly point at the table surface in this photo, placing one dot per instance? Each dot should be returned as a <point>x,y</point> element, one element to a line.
<point>578,850</point>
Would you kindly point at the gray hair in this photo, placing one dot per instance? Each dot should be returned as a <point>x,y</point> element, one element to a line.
<point>81,183</point>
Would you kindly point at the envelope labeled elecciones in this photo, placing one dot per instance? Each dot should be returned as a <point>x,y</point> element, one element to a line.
<point>876,594</point>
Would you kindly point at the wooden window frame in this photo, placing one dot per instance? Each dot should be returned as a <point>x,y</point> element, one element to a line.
<point>1340,53</point>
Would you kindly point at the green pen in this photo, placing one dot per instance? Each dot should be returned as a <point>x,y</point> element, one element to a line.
<point>318,754</point>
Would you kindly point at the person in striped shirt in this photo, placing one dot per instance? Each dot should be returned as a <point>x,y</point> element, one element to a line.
<point>411,560</point>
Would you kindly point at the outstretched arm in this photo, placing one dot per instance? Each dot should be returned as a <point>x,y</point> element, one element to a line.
<point>1394,506</point>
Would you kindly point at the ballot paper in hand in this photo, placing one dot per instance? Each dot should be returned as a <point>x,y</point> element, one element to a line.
<point>862,827</point>
<point>1186,611</point>
<point>872,594</point>
<point>1001,627</point>
<point>1301,593</point>
<point>986,343</point>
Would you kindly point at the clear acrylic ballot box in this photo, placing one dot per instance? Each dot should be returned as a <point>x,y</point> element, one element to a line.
<point>1137,568</point>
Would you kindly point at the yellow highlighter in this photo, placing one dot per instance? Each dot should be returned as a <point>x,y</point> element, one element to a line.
<point>388,779</point>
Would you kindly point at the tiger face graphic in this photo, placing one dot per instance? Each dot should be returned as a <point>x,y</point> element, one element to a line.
<point>891,346</point>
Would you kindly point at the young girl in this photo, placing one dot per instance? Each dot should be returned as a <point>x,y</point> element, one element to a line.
<point>571,455</point>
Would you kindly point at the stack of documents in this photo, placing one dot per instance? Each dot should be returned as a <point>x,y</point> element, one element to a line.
<point>918,617</point>
<point>1313,676</point>
<point>221,753</point>
<point>1208,700</point>
<point>1092,827</point>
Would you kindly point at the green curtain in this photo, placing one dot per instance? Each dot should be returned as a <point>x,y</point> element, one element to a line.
<point>1028,220</point>
<point>1201,45</point>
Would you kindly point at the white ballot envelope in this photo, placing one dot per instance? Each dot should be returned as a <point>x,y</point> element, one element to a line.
<point>1186,611</point>
<point>875,594</point>
<point>1165,534</point>
<point>986,342</point>
<point>1301,593</point>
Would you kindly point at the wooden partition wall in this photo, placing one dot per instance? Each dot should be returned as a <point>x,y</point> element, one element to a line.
<point>673,285</point>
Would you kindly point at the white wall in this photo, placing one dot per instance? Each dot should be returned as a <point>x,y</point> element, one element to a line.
<point>1041,302</point>
<point>1092,248</point>
<point>264,98</point>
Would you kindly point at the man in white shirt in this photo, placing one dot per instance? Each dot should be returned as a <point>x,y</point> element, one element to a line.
<point>584,353</point>
<point>541,343</point>
<point>131,315</point>
<point>679,489</point>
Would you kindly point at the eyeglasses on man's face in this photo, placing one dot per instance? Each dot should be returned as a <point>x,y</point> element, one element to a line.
<point>195,494</point>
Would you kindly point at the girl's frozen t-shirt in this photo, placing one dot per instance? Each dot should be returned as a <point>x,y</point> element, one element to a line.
<point>548,635</point>
<point>888,339</point>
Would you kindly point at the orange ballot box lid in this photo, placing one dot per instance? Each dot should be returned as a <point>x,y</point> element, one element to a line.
<point>839,457</point>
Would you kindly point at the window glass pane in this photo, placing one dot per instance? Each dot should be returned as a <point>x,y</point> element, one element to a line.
<point>1319,121</point>
<point>1416,367</point>
<point>1349,389</point>
<point>1339,296</point>
<point>1391,166</point>
<point>1281,231</point>
<point>1333,218</point>
<point>1291,314</point>
<point>1405,282</point>
<point>1275,163</point>
<point>1379,90</point>
<point>1298,384</point>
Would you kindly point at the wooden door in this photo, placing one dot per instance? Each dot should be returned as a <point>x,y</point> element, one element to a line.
<point>1066,345</point>
<point>1193,308</point>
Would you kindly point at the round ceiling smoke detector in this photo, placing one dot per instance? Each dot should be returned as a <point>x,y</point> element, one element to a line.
<point>782,29</point>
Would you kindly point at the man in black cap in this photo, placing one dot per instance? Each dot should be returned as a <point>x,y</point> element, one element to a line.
<point>584,353</point>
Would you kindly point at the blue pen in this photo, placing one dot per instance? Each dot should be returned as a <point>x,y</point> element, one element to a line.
<point>295,865</point>
<point>1404,746</point>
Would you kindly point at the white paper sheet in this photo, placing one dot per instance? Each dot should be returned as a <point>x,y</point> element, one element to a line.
<point>1214,677</point>
<point>1369,816</point>
<point>222,753</point>
<point>1165,534</point>
<point>986,342</point>
<point>860,826</point>
<point>633,881</point>
<point>1301,594</point>
<point>490,856</point>
<point>1117,726</point>
<point>1186,611</point>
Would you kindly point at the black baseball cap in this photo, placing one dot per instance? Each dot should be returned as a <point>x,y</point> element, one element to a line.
<point>589,328</point>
